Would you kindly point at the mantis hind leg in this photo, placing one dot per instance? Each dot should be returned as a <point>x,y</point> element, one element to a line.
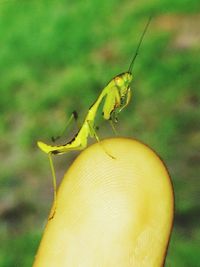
<point>94,133</point>
<point>54,187</point>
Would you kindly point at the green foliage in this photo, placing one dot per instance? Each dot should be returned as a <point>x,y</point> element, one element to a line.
<point>14,251</point>
<point>56,57</point>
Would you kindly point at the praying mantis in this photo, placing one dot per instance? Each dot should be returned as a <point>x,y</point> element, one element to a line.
<point>116,96</point>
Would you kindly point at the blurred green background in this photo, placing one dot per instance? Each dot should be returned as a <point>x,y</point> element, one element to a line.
<point>56,56</point>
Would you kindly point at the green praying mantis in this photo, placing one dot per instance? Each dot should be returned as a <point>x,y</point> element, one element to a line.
<point>116,96</point>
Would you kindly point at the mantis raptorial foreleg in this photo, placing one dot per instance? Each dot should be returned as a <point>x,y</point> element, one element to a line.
<point>94,133</point>
<point>54,185</point>
<point>127,100</point>
<point>112,100</point>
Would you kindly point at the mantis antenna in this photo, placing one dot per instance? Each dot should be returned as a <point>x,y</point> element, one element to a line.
<point>138,47</point>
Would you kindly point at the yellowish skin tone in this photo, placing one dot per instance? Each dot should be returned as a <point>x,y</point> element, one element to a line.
<point>111,213</point>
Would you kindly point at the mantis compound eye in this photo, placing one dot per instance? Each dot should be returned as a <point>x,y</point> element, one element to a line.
<point>118,81</point>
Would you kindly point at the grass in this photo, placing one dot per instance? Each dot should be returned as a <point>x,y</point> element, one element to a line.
<point>56,57</point>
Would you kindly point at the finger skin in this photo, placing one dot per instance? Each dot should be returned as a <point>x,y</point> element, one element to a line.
<point>111,212</point>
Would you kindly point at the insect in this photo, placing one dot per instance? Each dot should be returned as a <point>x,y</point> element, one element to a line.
<point>118,89</point>
<point>116,96</point>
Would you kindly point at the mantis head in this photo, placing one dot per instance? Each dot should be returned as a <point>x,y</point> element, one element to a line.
<point>122,82</point>
<point>118,91</point>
